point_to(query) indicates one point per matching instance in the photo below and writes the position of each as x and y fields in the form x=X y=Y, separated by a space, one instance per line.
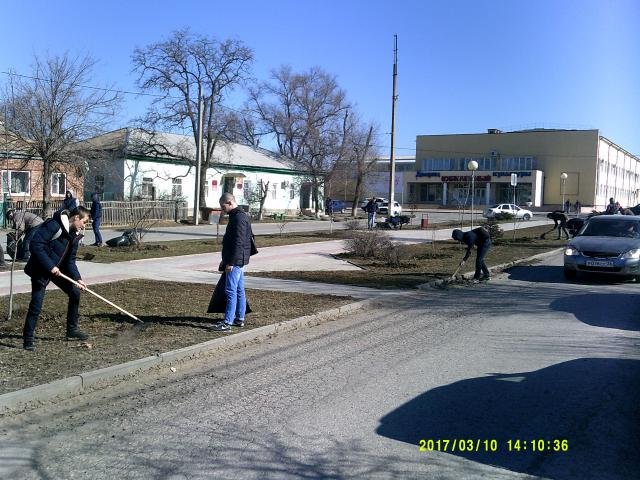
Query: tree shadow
x=592 y=403
x=609 y=310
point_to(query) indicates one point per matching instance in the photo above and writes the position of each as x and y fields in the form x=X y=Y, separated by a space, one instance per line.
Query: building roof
x=177 y=148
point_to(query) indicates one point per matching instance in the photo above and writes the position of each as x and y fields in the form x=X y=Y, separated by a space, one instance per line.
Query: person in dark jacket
x=560 y=220
x=236 y=250
x=53 y=251
x=25 y=224
x=482 y=240
x=96 y=219
x=70 y=202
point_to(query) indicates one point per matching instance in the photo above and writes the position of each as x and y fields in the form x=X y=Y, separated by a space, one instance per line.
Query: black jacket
x=478 y=237
x=53 y=245
x=236 y=243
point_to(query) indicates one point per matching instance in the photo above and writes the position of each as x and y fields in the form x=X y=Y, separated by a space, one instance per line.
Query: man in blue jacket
x=96 y=219
x=482 y=240
x=53 y=251
x=236 y=250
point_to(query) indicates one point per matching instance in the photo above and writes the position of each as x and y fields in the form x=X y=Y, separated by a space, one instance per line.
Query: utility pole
x=196 y=203
x=392 y=157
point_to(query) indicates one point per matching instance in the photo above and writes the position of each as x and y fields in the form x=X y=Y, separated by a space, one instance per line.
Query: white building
x=141 y=165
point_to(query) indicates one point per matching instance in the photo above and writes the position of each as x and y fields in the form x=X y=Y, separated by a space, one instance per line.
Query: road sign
x=514 y=179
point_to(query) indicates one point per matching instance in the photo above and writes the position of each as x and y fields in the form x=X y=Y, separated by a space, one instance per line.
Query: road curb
x=32 y=397
x=495 y=269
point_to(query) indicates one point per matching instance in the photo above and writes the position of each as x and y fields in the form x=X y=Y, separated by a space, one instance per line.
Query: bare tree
x=52 y=110
x=363 y=160
x=184 y=69
x=307 y=113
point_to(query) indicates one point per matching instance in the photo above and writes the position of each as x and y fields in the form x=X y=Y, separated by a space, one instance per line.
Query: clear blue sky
x=464 y=65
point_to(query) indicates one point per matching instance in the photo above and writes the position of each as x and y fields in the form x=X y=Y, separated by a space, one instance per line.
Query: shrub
x=353 y=224
x=393 y=254
x=495 y=231
x=367 y=243
x=504 y=216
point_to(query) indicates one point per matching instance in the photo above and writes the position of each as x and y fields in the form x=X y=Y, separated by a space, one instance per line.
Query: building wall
x=74 y=179
x=574 y=152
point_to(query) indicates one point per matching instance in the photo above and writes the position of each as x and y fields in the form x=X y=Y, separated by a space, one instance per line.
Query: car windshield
x=612 y=229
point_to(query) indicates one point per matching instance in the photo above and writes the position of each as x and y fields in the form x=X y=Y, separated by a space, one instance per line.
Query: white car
x=383 y=208
x=510 y=208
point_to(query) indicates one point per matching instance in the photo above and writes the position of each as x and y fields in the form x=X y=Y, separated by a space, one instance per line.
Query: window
x=147 y=187
x=58 y=183
x=247 y=190
x=176 y=188
x=99 y=184
x=16 y=182
x=274 y=191
x=292 y=192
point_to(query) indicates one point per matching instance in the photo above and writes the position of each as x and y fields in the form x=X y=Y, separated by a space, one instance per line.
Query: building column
x=487 y=193
x=444 y=193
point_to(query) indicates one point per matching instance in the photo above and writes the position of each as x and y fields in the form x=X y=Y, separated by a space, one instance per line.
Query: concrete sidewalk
x=202 y=268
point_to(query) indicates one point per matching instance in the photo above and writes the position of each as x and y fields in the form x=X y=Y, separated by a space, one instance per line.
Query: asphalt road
x=525 y=357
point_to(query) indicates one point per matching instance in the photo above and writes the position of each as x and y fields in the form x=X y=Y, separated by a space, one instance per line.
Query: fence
x=115 y=214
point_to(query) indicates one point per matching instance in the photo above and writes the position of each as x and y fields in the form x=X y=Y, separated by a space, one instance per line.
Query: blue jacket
x=53 y=245
x=96 y=207
x=236 y=243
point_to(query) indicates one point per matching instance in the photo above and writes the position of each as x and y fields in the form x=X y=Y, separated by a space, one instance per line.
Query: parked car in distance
x=509 y=208
x=607 y=244
x=338 y=206
x=378 y=201
x=383 y=209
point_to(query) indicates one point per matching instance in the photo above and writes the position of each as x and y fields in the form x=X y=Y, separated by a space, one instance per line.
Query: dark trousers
x=95 y=225
x=481 y=267
x=37 y=297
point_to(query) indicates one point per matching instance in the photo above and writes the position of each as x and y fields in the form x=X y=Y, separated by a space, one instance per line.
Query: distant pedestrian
x=328 y=206
x=25 y=224
x=567 y=206
x=560 y=219
x=578 y=207
x=236 y=250
x=96 y=219
x=611 y=207
x=371 y=208
x=480 y=238
x=54 y=247
x=70 y=202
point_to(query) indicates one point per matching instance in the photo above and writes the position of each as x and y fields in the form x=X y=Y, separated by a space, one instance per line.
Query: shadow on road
x=592 y=403
x=608 y=310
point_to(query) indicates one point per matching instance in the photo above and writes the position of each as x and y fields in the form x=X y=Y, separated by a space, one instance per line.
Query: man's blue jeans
x=236 y=298
x=371 y=220
x=95 y=225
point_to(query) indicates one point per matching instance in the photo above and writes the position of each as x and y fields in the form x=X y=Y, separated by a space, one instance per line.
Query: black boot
x=29 y=344
x=76 y=334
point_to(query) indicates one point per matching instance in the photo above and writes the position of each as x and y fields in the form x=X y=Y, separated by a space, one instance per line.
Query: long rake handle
x=100 y=297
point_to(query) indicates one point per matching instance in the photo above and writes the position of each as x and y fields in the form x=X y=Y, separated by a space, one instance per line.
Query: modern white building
x=137 y=165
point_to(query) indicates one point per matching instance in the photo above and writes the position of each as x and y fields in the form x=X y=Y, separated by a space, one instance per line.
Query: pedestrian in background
x=236 y=250
x=70 y=202
x=53 y=251
x=96 y=219
x=328 y=206
x=559 y=222
x=611 y=208
x=25 y=224
x=371 y=208
x=578 y=207
x=567 y=206
x=480 y=238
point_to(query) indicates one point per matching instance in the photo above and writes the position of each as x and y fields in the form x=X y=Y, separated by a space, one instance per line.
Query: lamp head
x=472 y=165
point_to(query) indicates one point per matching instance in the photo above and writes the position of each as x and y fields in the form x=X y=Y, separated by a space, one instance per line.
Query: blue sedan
x=608 y=244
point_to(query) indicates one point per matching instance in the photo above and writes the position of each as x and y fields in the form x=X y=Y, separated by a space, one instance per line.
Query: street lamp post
x=563 y=179
x=473 y=166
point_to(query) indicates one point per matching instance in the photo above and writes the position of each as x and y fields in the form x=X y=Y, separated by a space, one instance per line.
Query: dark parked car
x=338 y=206
x=608 y=244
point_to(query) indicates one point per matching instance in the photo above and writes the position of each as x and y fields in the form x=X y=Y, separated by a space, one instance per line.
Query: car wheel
x=570 y=274
x=526 y=216
x=637 y=278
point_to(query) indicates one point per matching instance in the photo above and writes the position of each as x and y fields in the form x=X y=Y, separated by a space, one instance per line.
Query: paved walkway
x=202 y=268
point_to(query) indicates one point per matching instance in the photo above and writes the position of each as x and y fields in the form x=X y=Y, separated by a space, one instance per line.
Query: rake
x=100 y=297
